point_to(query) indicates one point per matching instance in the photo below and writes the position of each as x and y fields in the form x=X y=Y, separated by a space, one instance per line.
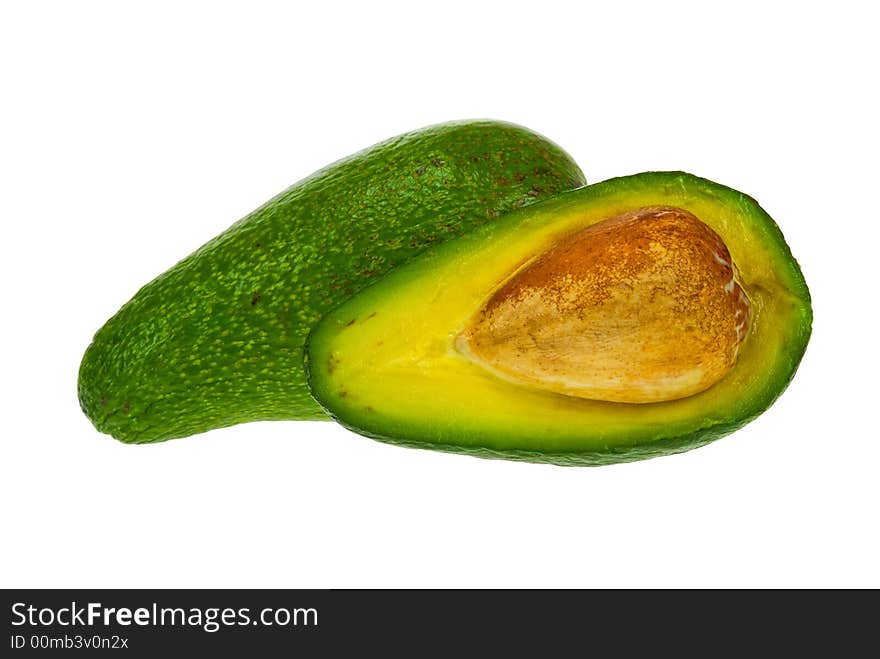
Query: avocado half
x=389 y=363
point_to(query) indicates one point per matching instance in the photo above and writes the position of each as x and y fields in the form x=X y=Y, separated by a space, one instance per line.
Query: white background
x=133 y=132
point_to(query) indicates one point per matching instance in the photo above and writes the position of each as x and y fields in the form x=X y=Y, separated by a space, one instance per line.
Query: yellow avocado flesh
x=386 y=363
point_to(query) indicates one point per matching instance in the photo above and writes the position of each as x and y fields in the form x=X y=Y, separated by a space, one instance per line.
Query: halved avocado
x=429 y=357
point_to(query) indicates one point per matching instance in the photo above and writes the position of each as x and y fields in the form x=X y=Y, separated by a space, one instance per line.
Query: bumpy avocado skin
x=347 y=407
x=218 y=339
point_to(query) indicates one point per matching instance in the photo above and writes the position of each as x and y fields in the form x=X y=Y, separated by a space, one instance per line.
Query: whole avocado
x=218 y=339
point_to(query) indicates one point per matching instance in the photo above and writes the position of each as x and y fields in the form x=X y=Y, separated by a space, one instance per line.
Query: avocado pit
x=643 y=307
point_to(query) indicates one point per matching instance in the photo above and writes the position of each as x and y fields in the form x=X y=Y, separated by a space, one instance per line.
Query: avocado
x=638 y=317
x=218 y=339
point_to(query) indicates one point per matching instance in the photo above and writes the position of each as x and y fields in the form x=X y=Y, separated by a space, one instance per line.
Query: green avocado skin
x=218 y=339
